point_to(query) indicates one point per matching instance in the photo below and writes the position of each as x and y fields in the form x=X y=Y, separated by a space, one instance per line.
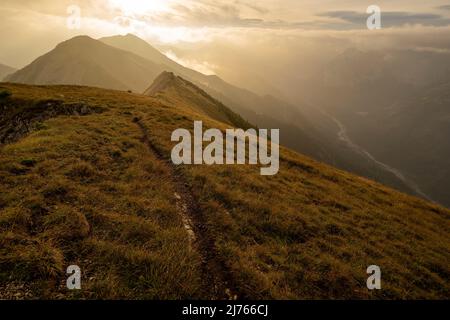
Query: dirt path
x=216 y=278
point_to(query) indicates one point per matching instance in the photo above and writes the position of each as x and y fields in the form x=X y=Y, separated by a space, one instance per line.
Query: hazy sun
x=130 y=21
x=140 y=6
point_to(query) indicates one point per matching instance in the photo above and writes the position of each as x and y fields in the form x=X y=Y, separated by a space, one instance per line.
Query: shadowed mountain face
x=5 y=71
x=86 y=181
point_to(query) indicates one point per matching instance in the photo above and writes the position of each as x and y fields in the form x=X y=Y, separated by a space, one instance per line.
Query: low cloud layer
x=444 y=7
x=357 y=20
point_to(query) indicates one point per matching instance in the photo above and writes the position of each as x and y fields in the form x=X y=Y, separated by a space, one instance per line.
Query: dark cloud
x=445 y=7
x=355 y=19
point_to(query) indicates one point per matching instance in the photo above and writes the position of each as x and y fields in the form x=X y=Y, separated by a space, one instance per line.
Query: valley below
x=343 y=136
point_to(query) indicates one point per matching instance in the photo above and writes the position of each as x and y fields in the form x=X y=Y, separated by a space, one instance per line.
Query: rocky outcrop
x=17 y=121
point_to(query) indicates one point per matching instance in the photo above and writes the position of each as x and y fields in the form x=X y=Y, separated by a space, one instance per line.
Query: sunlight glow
x=136 y=7
x=131 y=21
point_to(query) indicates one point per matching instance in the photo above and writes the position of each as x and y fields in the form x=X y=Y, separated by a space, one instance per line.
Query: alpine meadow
x=201 y=151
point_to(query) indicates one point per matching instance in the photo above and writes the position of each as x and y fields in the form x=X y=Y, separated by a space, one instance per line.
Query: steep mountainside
x=86 y=180
x=5 y=70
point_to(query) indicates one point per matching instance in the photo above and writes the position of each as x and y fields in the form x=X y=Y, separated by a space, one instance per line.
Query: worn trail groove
x=217 y=280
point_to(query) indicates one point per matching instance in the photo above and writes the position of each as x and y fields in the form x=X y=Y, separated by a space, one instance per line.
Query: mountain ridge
x=168 y=86
x=6 y=70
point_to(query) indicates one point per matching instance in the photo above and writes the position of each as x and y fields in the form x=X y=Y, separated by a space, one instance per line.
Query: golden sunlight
x=140 y=7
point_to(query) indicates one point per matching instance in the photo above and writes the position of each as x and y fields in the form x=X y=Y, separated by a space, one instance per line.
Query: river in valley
x=344 y=137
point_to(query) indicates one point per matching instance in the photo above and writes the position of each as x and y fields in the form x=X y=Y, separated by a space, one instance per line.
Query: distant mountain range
x=85 y=61
x=5 y=71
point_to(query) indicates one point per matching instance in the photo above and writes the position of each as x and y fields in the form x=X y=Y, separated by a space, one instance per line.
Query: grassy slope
x=86 y=190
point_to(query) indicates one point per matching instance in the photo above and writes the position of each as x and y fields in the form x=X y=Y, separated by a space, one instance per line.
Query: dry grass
x=85 y=190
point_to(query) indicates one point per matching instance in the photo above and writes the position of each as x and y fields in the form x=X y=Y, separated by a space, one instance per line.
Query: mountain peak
x=133 y=43
x=132 y=36
x=129 y=36
x=80 y=38
x=129 y=39
x=169 y=80
x=83 y=60
x=174 y=88
x=165 y=80
x=79 y=41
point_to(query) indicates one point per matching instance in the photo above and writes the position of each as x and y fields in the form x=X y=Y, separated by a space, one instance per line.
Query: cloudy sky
x=33 y=27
